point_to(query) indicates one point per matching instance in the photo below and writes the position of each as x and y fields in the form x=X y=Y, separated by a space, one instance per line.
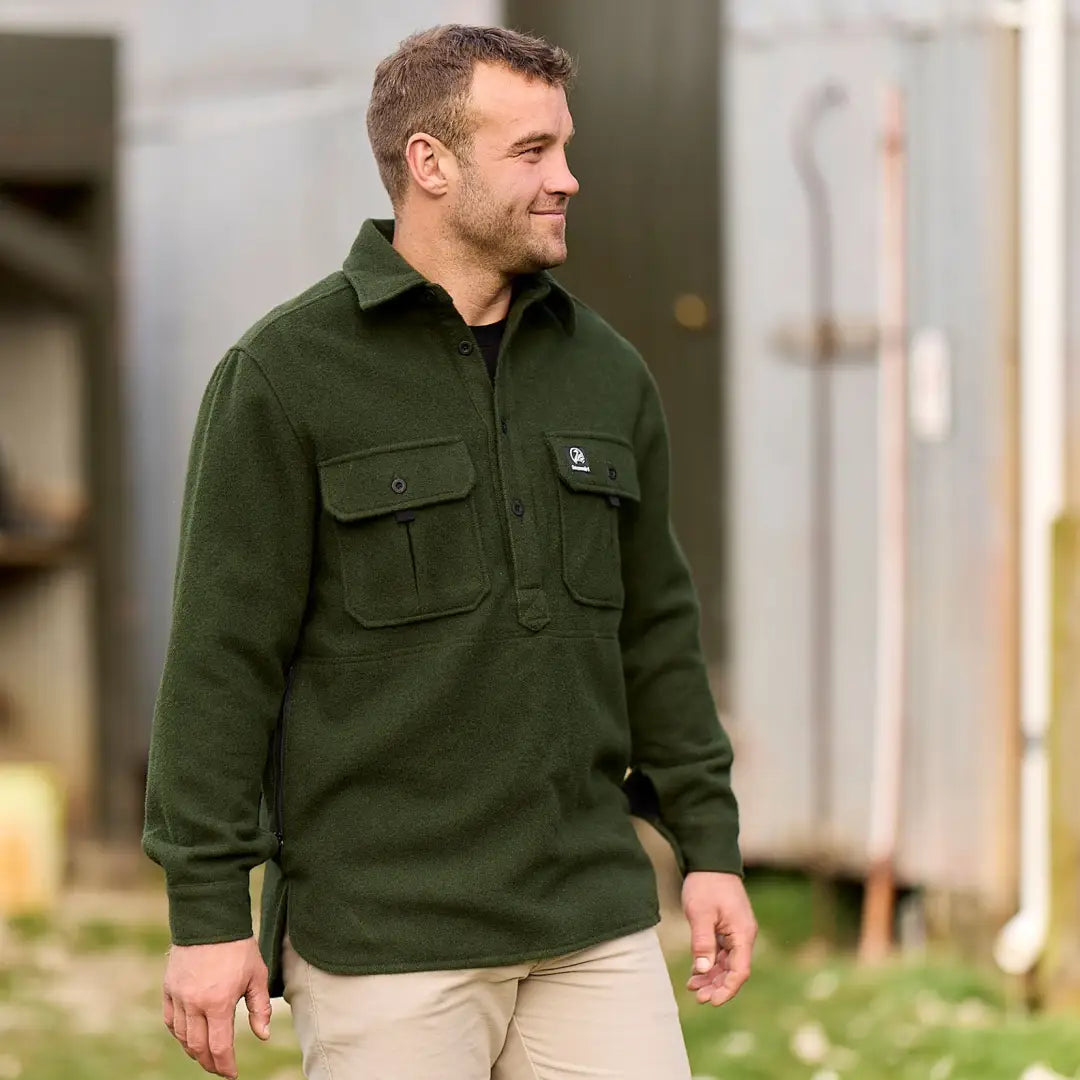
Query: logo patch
x=578 y=461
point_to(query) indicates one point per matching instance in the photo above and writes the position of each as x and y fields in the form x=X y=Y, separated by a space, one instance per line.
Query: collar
x=378 y=274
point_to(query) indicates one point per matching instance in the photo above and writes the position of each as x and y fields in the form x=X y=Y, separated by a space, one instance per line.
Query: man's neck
x=479 y=294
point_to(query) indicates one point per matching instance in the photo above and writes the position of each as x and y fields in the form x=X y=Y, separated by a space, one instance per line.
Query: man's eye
x=537 y=150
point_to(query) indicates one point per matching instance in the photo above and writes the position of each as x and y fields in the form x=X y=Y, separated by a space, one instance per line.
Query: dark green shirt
x=422 y=626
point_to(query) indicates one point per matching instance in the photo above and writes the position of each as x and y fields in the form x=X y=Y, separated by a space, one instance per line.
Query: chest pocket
x=597 y=475
x=407 y=531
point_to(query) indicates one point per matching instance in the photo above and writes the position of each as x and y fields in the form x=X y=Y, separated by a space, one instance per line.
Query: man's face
x=509 y=205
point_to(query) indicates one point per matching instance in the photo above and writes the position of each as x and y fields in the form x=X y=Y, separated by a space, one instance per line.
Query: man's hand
x=203 y=983
x=722 y=933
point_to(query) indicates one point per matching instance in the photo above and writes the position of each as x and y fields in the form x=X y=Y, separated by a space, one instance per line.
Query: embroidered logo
x=578 y=461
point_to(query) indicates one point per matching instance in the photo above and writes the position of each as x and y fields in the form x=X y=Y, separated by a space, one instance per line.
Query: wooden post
x=891 y=693
x=1059 y=973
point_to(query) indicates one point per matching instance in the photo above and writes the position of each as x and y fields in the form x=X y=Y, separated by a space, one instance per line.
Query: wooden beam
x=1059 y=973
x=38 y=249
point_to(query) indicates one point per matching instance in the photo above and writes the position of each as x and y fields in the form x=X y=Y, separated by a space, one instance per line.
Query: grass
x=803 y=1015
x=101 y=935
x=81 y=1002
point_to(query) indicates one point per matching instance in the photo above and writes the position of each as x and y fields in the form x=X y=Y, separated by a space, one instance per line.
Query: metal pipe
x=823 y=99
x=1042 y=358
x=891 y=689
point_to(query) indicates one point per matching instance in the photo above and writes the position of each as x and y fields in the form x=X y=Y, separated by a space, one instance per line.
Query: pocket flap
x=370 y=483
x=601 y=464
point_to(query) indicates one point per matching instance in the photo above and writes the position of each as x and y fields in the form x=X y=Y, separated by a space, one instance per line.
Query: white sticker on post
x=930 y=398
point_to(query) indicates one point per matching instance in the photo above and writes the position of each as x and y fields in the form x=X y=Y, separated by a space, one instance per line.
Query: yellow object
x=31 y=839
x=691 y=311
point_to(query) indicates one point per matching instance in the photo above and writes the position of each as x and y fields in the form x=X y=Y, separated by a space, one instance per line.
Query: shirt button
x=465 y=347
x=398 y=485
x=503 y=426
x=612 y=472
x=518 y=507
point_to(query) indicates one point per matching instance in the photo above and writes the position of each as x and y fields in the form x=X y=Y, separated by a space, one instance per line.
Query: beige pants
x=606 y=1011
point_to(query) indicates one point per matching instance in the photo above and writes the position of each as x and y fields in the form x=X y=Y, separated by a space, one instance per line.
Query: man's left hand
x=722 y=934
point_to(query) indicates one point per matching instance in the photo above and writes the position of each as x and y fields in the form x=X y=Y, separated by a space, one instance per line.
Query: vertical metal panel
x=644 y=229
x=1001 y=775
x=958 y=525
x=222 y=223
x=829 y=17
x=768 y=262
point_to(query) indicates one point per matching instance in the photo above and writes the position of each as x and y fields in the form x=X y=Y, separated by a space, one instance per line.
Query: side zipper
x=279 y=778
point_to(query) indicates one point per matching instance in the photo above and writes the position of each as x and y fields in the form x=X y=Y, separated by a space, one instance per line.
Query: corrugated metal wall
x=956 y=64
x=245 y=174
x=248 y=173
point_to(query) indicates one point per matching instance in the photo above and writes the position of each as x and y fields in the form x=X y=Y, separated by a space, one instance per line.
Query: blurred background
x=845 y=234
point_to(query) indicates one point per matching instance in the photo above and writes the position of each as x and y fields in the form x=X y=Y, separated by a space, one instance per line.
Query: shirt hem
x=489 y=960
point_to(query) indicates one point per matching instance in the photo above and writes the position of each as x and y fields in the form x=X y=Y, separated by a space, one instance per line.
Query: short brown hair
x=424 y=86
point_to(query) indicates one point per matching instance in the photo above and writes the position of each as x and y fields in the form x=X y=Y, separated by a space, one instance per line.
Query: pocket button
x=612 y=472
x=398 y=485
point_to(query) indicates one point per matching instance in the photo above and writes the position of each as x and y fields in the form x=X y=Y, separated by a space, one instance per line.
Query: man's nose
x=563 y=182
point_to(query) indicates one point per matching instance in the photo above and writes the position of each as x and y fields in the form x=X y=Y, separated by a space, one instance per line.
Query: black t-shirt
x=489 y=338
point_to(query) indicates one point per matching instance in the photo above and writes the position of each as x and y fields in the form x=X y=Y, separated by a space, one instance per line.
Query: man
x=428 y=611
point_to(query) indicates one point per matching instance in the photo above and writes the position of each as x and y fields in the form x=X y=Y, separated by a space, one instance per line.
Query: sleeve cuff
x=713 y=847
x=206 y=914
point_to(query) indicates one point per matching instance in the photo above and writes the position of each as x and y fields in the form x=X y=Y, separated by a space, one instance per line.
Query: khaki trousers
x=605 y=1011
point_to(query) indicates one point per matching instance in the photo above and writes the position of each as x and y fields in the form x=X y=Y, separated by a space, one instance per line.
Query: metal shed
x=957 y=64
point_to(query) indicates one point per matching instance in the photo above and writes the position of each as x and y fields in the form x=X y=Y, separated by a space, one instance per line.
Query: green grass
x=30 y=927
x=40 y=1040
x=106 y=1058
x=101 y=935
x=83 y=1003
x=901 y=1022
x=91 y=935
x=800 y=1016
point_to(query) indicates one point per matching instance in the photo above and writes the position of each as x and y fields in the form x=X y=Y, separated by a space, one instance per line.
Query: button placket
x=532 y=610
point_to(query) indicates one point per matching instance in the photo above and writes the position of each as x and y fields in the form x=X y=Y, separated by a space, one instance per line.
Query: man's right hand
x=203 y=983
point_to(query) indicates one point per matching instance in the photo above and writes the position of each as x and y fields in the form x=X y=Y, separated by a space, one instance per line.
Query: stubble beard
x=501 y=236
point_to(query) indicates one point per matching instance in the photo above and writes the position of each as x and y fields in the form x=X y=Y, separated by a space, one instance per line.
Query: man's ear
x=430 y=163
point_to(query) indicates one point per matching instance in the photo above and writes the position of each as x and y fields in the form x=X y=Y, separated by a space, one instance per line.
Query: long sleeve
x=240 y=592
x=678 y=744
